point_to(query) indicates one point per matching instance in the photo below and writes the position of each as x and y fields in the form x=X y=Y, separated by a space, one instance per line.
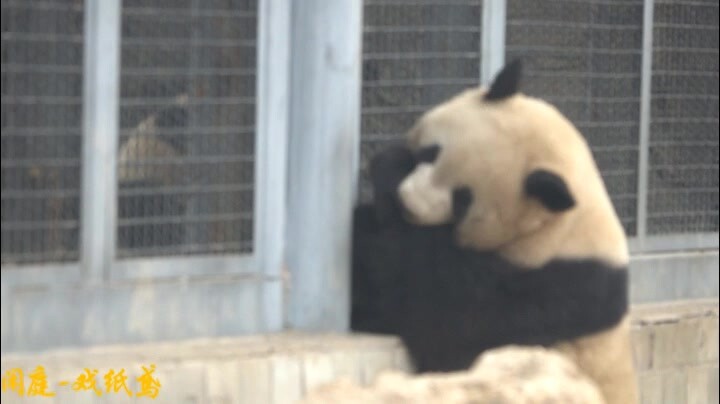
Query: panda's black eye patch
x=428 y=154
x=462 y=198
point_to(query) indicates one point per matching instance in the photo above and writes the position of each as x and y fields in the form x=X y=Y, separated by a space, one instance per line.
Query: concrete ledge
x=277 y=368
x=675 y=348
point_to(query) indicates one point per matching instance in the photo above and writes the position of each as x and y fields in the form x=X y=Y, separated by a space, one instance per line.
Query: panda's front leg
x=386 y=170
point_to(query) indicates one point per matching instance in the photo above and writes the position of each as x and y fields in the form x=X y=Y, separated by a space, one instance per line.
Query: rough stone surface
x=502 y=376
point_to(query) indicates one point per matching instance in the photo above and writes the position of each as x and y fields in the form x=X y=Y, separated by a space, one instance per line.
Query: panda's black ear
x=506 y=82
x=550 y=189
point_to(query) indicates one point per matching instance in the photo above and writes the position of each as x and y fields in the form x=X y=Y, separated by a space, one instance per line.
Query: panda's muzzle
x=427 y=203
x=403 y=184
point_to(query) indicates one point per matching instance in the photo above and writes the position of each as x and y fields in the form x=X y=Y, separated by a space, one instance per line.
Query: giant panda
x=143 y=185
x=492 y=226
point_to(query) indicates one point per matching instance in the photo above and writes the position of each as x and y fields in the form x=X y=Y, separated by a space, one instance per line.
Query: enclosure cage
x=156 y=141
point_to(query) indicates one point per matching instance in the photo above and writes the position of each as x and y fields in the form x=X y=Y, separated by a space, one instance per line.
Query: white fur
x=491 y=147
x=423 y=198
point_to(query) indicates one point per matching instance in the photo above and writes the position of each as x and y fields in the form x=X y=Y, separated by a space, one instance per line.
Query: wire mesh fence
x=415 y=54
x=187 y=133
x=585 y=57
x=42 y=57
x=187 y=110
x=683 y=172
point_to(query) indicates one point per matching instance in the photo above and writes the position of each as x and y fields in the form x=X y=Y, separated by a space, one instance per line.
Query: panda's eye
x=428 y=154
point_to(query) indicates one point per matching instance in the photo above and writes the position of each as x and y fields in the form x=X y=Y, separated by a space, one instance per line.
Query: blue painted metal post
x=492 y=52
x=271 y=153
x=100 y=137
x=324 y=145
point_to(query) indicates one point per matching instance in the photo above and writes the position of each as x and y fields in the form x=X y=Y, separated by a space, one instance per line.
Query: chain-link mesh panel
x=585 y=56
x=187 y=111
x=683 y=176
x=415 y=54
x=42 y=56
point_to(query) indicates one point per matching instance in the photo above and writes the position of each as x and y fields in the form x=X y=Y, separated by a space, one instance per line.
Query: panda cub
x=492 y=226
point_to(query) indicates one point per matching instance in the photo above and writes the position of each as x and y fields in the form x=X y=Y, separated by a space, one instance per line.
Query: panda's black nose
x=462 y=198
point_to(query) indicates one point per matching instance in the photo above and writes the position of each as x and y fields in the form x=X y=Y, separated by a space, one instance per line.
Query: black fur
x=506 y=82
x=461 y=200
x=387 y=170
x=450 y=304
x=550 y=189
x=428 y=154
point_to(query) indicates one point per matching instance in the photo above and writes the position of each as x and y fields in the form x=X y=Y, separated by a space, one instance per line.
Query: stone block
x=286 y=379
x=712 y=386
x=643 y=339
x=674 y=386
x=709 y=339
x=375 y=362
x=676 y=344
x=185 y=382
x=239 y=381
x=650 y=385
x=346 y=365
x=317 y=370
x=702 y=384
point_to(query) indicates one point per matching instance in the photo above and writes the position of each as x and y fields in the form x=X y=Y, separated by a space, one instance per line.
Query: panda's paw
x=425 y=201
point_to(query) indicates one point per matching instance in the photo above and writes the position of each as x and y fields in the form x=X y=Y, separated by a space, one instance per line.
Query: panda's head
x=517 y=176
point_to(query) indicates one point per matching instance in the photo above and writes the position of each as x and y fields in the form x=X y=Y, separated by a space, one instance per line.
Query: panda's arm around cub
x=523 y=248
x=411 y=279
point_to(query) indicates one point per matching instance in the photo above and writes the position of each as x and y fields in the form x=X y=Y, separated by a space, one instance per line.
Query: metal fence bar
x=645 y=116
x=183 y=266
x=192 y=233
x=675 y=243
x=271 y=154
x=100 y=136
x=492 y=54
x=324 y=149
x=41 y=275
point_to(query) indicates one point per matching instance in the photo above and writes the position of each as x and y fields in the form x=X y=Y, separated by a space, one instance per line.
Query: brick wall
x=676 y=351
